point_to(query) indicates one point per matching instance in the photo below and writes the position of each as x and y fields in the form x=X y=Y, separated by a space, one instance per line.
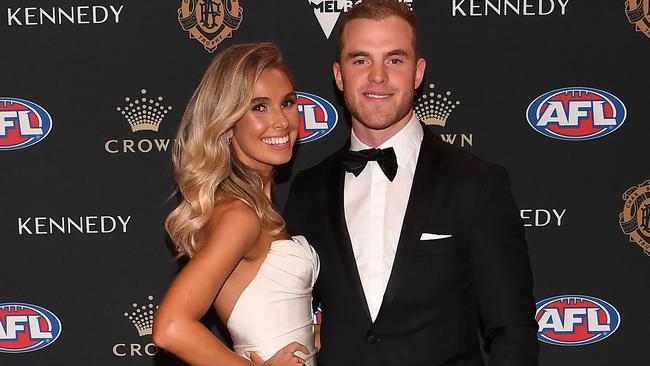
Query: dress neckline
x=293 y=238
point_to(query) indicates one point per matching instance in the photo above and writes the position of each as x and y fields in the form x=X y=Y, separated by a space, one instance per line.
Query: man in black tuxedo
x=421 y=245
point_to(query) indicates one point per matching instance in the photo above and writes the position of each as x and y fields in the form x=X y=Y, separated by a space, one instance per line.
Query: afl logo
x=575 y=320
x=26 y=328
x=576 y=114
x=318 y=117
x=22 y=123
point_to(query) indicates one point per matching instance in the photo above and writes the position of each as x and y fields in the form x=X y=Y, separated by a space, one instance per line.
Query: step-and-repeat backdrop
x=92 y=91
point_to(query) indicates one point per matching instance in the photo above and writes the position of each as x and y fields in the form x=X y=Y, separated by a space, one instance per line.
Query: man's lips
x=377 y=95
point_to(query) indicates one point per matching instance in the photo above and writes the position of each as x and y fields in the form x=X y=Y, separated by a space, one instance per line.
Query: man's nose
x=378 y=73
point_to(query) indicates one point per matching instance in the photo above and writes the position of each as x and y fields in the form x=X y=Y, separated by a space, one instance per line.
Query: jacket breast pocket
x=436 y=247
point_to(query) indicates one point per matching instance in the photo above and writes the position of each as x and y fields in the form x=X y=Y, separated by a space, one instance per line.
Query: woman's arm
x=231 y=233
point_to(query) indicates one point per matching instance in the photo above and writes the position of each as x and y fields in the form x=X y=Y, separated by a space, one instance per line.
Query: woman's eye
x=288 y=103
x=259 y=108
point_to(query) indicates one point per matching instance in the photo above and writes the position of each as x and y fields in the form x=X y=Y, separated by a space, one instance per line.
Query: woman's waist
x=266 y=342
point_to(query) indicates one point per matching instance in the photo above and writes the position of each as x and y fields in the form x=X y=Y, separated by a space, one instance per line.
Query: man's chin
x=377 y=121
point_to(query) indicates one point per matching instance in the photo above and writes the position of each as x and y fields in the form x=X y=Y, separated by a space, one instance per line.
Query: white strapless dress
x=275 y=308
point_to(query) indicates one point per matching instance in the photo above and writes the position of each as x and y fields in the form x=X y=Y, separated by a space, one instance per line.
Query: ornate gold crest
x=210 y=21
x=638 y=13
x=635 y=218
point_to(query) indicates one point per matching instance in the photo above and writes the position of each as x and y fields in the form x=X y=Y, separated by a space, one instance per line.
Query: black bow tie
x=355 y=161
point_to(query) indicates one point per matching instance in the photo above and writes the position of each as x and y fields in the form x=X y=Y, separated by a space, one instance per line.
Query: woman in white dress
x=241 y=122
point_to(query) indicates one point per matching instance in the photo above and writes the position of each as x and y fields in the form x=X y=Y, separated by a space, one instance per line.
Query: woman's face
x=264 y=137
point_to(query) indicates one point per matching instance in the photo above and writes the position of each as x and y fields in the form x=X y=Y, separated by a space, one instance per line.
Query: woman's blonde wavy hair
x=205 y=168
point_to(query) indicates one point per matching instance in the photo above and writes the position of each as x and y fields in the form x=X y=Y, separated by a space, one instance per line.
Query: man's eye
x=359 y=62
x=394 y=61
x=259 y=108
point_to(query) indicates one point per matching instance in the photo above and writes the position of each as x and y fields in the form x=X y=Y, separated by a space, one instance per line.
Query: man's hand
x=317 y=336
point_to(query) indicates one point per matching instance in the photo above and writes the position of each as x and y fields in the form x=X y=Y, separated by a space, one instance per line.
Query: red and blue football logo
x=22 y=123
x=26 y=327
x=575 y=320
x=318 y=117
x=576 y=114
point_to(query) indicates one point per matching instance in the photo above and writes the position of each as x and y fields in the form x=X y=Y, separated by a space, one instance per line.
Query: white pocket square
x=427 y=236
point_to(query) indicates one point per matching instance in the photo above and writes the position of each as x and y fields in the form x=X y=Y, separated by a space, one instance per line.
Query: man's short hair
x=378 y=10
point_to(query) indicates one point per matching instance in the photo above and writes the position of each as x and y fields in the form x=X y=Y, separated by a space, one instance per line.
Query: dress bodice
x=275 y=308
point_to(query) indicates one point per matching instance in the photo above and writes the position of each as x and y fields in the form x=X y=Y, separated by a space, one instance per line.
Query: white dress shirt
x=374 y=210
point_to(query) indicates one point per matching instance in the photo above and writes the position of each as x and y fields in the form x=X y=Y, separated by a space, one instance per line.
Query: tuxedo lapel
x=417 y=209
x=340 y=231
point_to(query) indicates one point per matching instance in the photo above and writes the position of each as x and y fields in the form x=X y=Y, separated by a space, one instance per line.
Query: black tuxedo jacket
x=441 y=293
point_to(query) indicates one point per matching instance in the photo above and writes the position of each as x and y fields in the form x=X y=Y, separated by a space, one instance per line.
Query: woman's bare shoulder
x=235 y=209
x=235 y=220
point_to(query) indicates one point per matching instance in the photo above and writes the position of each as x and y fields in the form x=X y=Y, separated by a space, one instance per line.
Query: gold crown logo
x=142 y=317
x=434 y=108
x=144 y=114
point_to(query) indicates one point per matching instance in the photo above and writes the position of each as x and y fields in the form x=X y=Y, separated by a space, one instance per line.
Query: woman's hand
x=283 y=357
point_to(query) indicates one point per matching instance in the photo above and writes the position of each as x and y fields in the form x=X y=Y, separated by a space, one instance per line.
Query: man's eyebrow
x=397 y=52
x=354 y=54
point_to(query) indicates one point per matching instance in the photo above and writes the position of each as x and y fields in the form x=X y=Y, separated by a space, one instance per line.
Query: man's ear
x=420 y=67
x=336 y=68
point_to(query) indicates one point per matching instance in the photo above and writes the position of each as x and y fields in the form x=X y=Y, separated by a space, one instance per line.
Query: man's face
x=378 y=71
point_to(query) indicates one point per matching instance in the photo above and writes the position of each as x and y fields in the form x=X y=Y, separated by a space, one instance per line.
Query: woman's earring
x=229 y=139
